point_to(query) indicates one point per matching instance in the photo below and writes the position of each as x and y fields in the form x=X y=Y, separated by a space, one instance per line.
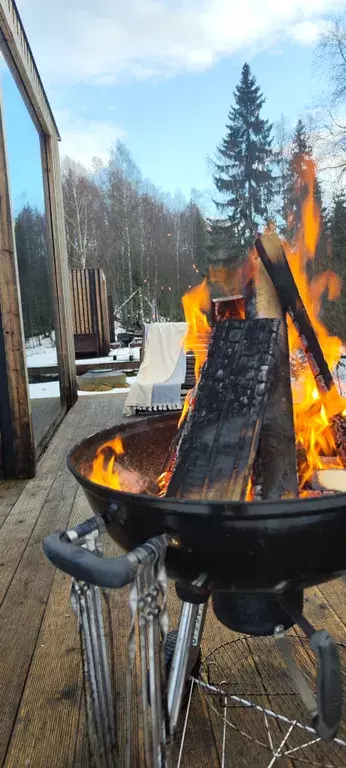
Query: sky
x=159 y=75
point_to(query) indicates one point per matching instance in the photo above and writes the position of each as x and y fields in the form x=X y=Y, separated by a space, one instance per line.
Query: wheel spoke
x=185 y=722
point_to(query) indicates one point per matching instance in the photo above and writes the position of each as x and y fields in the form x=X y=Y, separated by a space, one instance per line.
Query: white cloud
x=83 y=139
x=305 y=33
x=96 y=42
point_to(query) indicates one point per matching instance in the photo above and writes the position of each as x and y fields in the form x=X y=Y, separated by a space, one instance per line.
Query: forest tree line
x=162 y=244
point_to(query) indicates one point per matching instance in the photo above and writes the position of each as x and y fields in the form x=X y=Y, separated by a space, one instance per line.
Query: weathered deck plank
x=46 y=412
x=54 y=678
x=10 y=490
x=23 y=606
x=19 y=524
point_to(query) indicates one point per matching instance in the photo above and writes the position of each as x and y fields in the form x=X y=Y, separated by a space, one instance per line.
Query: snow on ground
x=52 y=389
x=44 y=356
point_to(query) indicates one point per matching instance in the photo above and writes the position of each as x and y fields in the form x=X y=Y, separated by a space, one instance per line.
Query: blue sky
x=160 y=75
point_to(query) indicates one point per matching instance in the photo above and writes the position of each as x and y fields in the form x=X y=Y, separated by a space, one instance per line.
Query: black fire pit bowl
x=256 y=547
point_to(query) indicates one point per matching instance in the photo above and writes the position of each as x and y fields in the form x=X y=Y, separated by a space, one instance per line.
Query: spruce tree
x=295 y=189
x=32 y=254
x=334 y=313
x=243 y=172
x=338 y=233
x=295 y=194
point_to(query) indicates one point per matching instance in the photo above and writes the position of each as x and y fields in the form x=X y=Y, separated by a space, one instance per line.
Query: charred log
x=228 y=308
x=276 y=468
x=220 y=438
x=274 y=260
x=339 y=434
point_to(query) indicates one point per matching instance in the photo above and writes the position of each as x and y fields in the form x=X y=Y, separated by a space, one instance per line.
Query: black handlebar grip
x=329 y=684
x=111 y=573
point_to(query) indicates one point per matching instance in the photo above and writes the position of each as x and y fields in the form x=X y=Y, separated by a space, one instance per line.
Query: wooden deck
x=46 y=414
x=41 y=710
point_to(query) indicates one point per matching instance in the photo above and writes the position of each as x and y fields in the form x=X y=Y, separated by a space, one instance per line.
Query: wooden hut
x=90 y=317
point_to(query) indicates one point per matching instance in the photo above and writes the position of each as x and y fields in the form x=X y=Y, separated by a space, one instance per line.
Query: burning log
x=276 y=466
x=273 y=258
x=227 y=307
x=220 y=438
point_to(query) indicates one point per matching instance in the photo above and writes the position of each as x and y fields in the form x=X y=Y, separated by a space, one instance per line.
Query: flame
x=196 y=304
x=110 y=473
x=163 y=482
x=107 y=472
x=313 y=411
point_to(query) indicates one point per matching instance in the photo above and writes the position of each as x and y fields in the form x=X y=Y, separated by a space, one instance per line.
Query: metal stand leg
x=148 y=601
x=187 y=647
x=161 y=702
x=86 y=603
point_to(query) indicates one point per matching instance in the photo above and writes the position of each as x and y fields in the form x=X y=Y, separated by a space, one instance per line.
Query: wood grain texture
x=89 y=299
x=220 y=436
x=18 y=453
x=19 y=524
x=24 y=606
x=18 y=55
x=46 y=415
x=57 y=253
x=276 y=469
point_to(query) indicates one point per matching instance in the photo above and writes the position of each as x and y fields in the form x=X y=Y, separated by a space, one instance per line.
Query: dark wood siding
x=90 y=305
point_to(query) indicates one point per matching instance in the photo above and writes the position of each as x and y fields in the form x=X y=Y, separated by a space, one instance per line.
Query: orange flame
x=107 y=472
x=196 y=304
x=163 y=482
x=312 y=411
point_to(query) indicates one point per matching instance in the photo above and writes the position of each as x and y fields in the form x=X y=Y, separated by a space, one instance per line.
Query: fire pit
x=252 y=547
x=251 y=558
x=217 y=504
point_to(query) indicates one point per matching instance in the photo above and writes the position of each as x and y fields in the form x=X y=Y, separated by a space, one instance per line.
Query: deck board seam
x=55 y=476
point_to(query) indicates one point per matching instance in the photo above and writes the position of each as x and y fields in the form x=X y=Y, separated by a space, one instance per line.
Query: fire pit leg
x=276 y=468
x=86 y=604
x=325 y=708
x=187 y=647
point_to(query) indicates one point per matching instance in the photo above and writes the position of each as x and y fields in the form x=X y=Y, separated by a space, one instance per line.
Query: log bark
x=275 y=473
x=274 y=260
x=220 y=437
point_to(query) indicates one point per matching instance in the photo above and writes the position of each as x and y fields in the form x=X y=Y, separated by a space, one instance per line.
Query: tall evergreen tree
x=338 y=233
x=294 y=196
x=31 y=243
x=200 y=239
x=223 y=247
x=243 y=173
x=295 y=190
x=334 y=313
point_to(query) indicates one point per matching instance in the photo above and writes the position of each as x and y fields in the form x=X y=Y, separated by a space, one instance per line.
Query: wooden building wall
x=17 y=440
x=90 y=305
